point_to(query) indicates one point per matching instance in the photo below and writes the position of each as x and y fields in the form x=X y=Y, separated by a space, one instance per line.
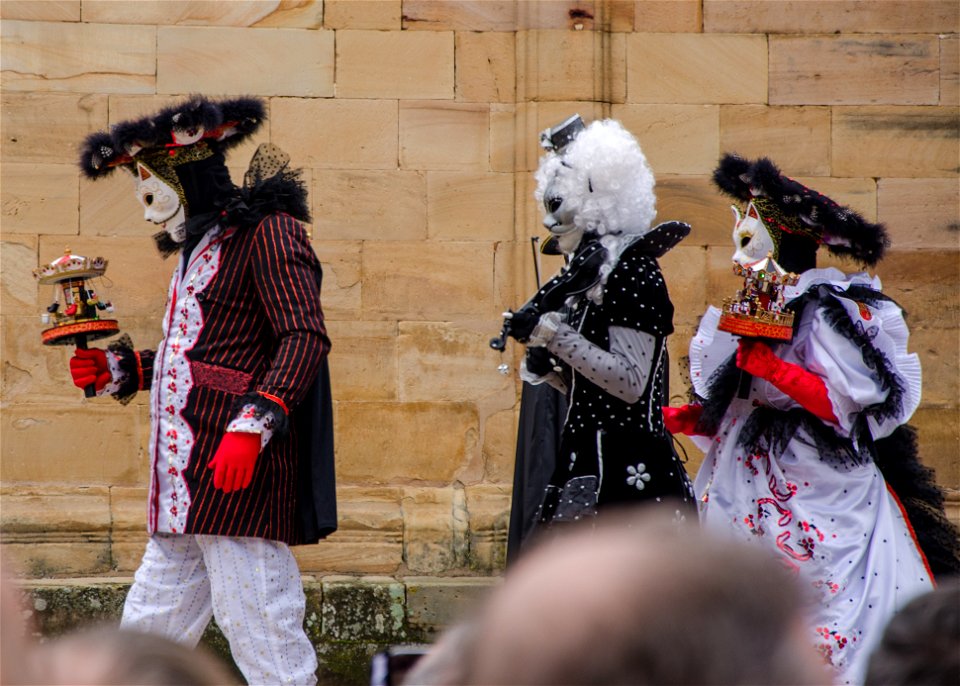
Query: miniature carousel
x=75 y=310
x=757 y=310
x=76 y=307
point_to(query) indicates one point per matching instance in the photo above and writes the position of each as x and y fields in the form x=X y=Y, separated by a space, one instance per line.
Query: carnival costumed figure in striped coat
x=241 y=444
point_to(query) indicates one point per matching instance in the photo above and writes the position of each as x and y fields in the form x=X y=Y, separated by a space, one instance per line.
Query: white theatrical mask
x=750 y=237
x=561 y=202
x=161 y=204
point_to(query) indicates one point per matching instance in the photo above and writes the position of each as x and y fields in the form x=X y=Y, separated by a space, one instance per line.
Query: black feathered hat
x=183 y=144
x=195 y=128
x=799 y=218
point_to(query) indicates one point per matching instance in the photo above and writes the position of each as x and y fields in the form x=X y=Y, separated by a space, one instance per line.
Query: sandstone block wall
x=416 y=122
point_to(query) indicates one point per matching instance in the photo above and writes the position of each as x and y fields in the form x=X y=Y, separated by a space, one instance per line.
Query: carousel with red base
x=77 y=306
x=757 y=310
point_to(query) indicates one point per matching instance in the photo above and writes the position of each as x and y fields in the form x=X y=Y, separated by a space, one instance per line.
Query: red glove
x=808 y=389
x=682 y=420
x=233 y=462
x=89 y=367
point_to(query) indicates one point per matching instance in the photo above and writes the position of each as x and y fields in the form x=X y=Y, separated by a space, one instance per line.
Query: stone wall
x=417 y=122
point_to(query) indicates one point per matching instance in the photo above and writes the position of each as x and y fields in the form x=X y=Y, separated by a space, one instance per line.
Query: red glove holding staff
x=89 y=366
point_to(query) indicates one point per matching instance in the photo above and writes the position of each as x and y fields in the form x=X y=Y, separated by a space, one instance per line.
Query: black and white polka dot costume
x=614 y=448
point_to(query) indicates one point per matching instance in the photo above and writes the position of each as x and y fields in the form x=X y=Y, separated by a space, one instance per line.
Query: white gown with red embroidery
x=836 y=524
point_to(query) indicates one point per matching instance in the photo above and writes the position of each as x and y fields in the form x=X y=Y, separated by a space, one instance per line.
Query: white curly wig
x=603 y=179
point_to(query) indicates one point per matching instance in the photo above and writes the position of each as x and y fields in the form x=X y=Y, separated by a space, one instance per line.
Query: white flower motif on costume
x=638 y=476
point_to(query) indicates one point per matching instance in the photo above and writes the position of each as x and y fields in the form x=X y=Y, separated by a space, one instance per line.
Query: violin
x=580 y=275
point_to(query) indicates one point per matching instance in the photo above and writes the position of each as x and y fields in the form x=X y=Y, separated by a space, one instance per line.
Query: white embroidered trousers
x=251 y=586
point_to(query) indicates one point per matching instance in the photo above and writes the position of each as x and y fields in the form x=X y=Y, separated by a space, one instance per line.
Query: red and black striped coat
x=243 y=320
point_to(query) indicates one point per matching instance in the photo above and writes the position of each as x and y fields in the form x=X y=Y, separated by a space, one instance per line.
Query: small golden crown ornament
x=757 y=310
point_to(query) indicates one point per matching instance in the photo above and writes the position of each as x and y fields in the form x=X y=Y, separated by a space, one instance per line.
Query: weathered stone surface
x=499 y=446
x=503 y=137
x=683 y=269
x=40 y=10
x=435 y=603
x=250 y=61
x=950 y=70
x=395 y=64
x=465 y=206
x=796 y=138
x=464 y=15
x=128 y=514
x=900 y=142
x=48 y=127
x=676 y=139
x=434 y=357
x=560 y=65
x=435 y=529
x=486 y=67
x=367 y=608
x=373 y=205
x=56 y=531
x=78 y=57
x=294 y=14
x=239 y=13
x=696 y=201
x=372 y=14
x=363 y=362
x=383 y=443
x=427 y=281
x=668 y=16
x=355 y=134
x=925 y=284
x=848 y=70
x=696 y=68
x=939 y=351
x=76 y=510
x=427 y=128
x=488 y=507
x=56 y=607
x=341 y=262
x=101 y=448
x=20 y=294
x=369 y=537
x=829 y=16
x=920 y=213
x=108 y=207
x=939 y=437
x=39 y=198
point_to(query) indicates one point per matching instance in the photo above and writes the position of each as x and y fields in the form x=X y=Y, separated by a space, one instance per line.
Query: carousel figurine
x=76 y=307
x=757 y=310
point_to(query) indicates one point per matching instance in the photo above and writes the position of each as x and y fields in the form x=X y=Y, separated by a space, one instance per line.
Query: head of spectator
x=444 y=664
x=16 y=641
x=639 y=599
x=921 y=644
x=110 y=656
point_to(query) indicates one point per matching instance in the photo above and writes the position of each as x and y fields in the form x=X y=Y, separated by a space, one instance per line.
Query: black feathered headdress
x=175 y=131
x=790 y=207
x=184 y=145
